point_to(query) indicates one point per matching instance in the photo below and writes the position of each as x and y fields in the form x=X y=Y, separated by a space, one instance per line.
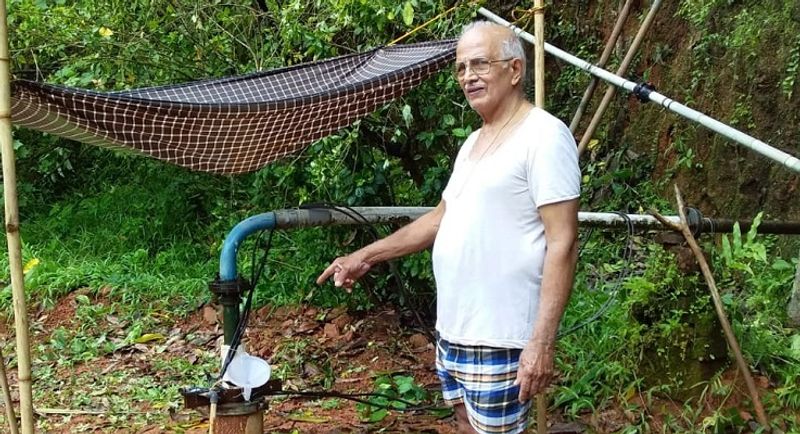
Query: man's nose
x=469 y=73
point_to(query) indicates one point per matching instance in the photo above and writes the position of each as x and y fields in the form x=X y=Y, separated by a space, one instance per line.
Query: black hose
x=626 y=257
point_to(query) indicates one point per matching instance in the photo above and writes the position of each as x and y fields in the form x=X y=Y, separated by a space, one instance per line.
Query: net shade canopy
x=236 y=124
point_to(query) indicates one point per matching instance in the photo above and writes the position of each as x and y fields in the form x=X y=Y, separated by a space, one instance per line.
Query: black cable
x=411 y=406
x=351 y=213
x=626 y=256
x=244 y=315
x=359 y=218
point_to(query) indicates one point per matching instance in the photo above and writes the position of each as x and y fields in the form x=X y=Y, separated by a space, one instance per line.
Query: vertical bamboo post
x=538 y=64
x=12 y=418
x=12 y=231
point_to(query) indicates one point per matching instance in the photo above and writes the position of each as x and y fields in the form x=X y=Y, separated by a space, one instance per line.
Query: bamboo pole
x=623 y=68
x=683 y=227
x=12 y=232
x=538 y=65
x=12 y=418
x=612 y=40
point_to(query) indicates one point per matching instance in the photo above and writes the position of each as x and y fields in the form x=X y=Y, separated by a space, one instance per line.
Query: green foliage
x=388 y=387
x=660 y=315
x=757 y=287
x=738 y=34
x=792 y=70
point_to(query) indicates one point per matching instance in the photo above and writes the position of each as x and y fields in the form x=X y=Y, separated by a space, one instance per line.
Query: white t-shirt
x=489 y=251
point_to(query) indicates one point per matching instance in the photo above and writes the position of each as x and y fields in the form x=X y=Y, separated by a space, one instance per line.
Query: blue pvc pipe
x=230 y=247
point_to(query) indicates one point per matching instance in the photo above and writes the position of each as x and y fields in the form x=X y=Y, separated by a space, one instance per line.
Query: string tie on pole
x=519 y=14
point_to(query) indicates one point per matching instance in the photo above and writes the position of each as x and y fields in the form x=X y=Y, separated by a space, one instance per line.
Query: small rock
x=418 y=342
x=566 y=428
x=209 y=315
x=342 y=321
x=310 y=370
x=336 y=312
x=331 y=330
x=306 y=327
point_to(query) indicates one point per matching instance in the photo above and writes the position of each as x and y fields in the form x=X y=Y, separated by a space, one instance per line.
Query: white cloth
x=489 y=250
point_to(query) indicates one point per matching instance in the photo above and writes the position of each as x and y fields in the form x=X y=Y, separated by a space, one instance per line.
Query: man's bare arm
x=561 y=232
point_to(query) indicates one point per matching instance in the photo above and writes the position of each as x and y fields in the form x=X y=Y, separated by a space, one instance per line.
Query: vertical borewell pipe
x=228 y=282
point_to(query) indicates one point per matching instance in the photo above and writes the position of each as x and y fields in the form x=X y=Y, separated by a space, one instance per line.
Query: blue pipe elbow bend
x=230 y=247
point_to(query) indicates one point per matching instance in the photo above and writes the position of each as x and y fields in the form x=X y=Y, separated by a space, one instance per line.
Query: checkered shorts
x=482 y=378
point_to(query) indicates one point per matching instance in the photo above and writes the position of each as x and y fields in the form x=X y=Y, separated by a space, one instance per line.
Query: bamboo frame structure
x=623 y=68
x=746 y=140
x=612 y=41
x=12 y=232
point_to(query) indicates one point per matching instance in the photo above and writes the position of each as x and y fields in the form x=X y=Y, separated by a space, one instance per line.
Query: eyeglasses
x=478 y=65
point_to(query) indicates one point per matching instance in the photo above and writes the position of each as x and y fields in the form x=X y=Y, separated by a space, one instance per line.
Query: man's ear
x=516 y=71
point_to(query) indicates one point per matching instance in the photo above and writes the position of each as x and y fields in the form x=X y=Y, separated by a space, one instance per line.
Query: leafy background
x=148 y=234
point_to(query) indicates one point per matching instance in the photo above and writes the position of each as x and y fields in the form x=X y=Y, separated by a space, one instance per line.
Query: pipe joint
x=694 y=218
x=229 y=292
x=643 y=91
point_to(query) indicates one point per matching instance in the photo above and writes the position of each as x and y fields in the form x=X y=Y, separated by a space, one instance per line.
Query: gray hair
x=510 y=46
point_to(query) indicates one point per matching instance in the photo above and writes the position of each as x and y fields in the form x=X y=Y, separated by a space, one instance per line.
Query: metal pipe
x=623 y=68
x=301 y=218
x=612 y=40
x=748 y=141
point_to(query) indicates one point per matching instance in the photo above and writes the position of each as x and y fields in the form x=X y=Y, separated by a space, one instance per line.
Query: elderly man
x=504 y=242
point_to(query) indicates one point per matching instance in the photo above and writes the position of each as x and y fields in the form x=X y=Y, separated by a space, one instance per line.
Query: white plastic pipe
x=748 y=141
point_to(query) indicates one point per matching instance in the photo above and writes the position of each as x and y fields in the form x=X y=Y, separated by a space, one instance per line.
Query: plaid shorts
x=482 y=378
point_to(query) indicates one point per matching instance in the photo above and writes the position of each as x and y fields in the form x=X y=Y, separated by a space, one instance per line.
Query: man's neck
x=503 y=113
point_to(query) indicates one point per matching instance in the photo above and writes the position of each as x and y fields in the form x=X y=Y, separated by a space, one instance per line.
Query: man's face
x=485 y=91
